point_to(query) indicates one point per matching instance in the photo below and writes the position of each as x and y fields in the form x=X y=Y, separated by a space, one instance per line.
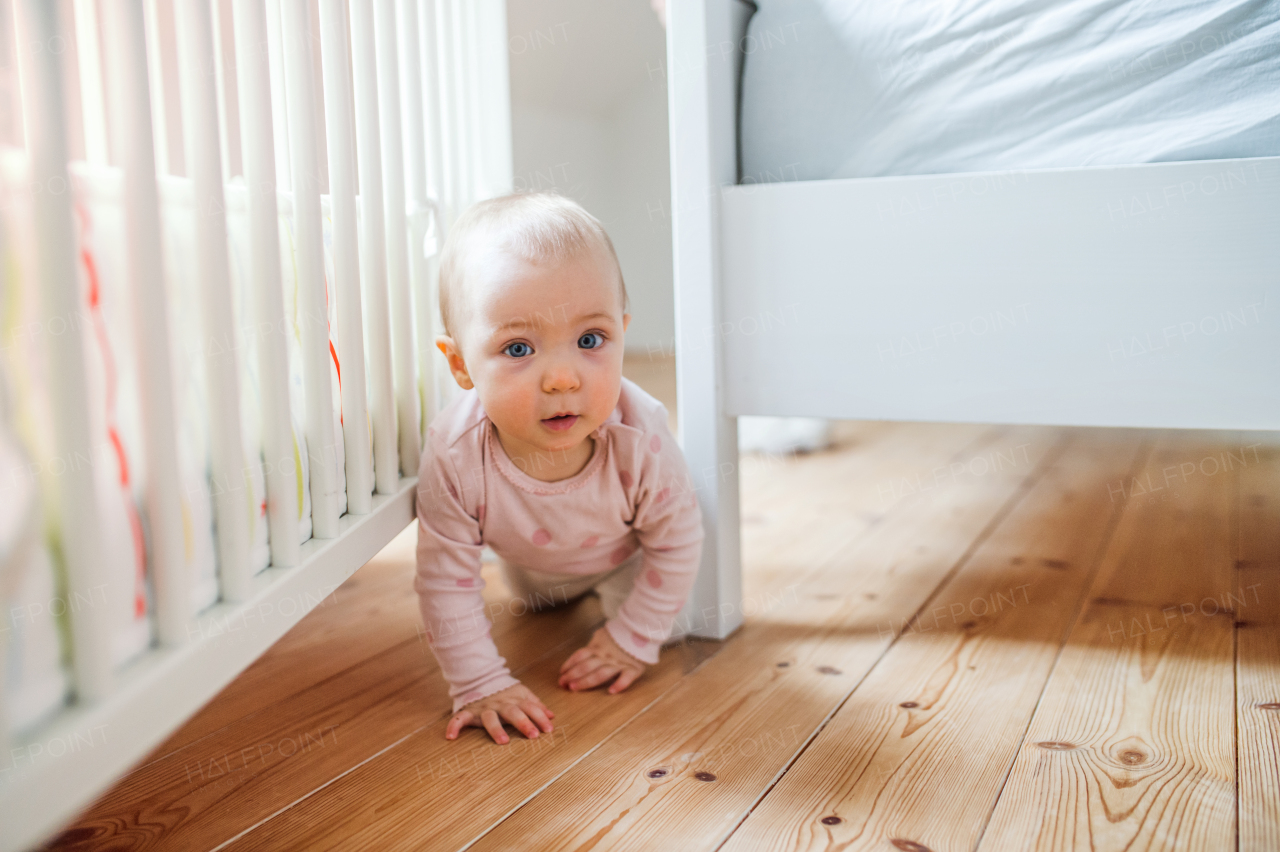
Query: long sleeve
x=668 y=524
x=448 y=580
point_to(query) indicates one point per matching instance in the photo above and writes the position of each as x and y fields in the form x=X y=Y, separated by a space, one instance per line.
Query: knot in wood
x=831 y=820
x=909 y=705
x=1270 y=705
x=829 y=670
x=705 y=776
x=1056 y=746
x=656 y=773
x=783 y=664
x=1132 y=757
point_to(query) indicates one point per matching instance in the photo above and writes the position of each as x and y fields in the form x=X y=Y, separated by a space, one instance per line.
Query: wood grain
x=945 y=709
x=432 y=793
x=399 y=783
x=220 y=784
x=725 y=732
x=378 y=599
x=1132 y=746
x=1258 y=645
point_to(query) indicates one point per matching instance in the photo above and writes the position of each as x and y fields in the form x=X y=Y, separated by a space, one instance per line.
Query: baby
x=567 y=470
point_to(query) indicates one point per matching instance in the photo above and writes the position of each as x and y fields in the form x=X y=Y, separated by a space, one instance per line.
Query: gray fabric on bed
x=859 y=88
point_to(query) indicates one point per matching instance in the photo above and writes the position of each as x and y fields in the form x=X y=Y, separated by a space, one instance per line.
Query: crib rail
x=218 y=232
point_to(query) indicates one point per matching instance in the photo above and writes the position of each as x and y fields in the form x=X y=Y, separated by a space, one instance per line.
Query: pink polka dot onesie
x=634 y=494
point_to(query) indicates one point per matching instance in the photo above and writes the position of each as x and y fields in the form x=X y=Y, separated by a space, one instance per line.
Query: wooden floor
x=956 y=637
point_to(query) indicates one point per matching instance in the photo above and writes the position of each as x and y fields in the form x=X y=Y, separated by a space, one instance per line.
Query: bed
x=1045 y=213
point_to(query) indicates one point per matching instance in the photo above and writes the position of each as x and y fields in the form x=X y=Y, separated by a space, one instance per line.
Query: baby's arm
x=668 y=524
x=450 y=587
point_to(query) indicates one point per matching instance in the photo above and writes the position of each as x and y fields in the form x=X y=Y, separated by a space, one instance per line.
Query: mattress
x=860 y=88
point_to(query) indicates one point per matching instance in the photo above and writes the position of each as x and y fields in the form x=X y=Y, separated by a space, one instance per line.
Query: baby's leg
x=541 y=590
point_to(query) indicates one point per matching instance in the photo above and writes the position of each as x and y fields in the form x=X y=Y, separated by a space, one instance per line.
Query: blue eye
x=517 y=343
x=591 y=334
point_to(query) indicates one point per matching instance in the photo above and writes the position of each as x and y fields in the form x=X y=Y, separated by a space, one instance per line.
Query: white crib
x=813 y=293
x=213 y=386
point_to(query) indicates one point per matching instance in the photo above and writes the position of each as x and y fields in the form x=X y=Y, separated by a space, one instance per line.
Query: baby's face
x=541 y=340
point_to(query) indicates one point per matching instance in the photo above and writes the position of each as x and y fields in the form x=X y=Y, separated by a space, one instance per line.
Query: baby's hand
x=598 y=662
x=516 y=704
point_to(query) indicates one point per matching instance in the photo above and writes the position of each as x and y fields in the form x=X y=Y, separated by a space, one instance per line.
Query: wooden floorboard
x=1258 y=644
x=1094 y=716
x=199 y=796
x=374 y=597
x=457 y=779
x=945 y=709
x=684 y=773
x=1132 y=745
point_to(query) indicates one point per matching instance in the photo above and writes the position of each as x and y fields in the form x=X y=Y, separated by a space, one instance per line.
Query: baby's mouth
x=561 y=423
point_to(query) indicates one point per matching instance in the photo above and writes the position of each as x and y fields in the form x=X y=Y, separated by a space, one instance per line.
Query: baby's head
x=534 y=311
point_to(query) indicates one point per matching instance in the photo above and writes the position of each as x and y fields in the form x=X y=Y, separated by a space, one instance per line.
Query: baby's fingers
x=578 y=669
x=624 y=680
x=516 y=716
x=575 y=658
x=457 y=723
x=493 y=725
x=574 y=676
x=536 y=712
x=597 y=677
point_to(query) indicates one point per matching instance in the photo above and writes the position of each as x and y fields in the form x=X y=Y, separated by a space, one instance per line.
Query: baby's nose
x=560 y=378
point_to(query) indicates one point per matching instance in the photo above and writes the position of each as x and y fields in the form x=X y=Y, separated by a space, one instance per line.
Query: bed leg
x=701 y=104
x=710 y=443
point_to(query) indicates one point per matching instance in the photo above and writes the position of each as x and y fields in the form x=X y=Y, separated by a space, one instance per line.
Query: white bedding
x=851 y=88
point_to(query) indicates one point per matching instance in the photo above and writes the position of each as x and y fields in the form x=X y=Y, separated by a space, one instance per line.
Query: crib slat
x=91 y=98
x=264 y=269
x=448 y=109
x=55 y=258
x=471 y=80
x=373 y=258
x=456 y=81
x=429 y=55
x=321 y=441
x=417 y=166
x=340 y=129
x=215 y=19
x=299 y=91
x=494 y=93
x=127 y=59
x=397 y=232
x=155 y=70
x=429 y=324
x=412 y=104
x=212 y=269
x=279 y=114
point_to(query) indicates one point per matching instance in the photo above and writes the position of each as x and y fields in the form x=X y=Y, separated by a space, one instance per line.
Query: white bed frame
x=432 y=134
x=1141 y=295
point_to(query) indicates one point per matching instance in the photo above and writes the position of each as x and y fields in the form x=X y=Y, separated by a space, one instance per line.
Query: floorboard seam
x=1003 y=512
x=262 y=822
x=595 y=625
x=1139 y=461
x=473 y=841
x=1237 y=525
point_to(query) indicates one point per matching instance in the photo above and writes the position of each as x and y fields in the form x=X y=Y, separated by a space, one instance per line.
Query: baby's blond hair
x=536 y=226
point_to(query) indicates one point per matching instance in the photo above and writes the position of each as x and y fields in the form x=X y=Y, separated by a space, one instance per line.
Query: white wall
x=589 y=120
